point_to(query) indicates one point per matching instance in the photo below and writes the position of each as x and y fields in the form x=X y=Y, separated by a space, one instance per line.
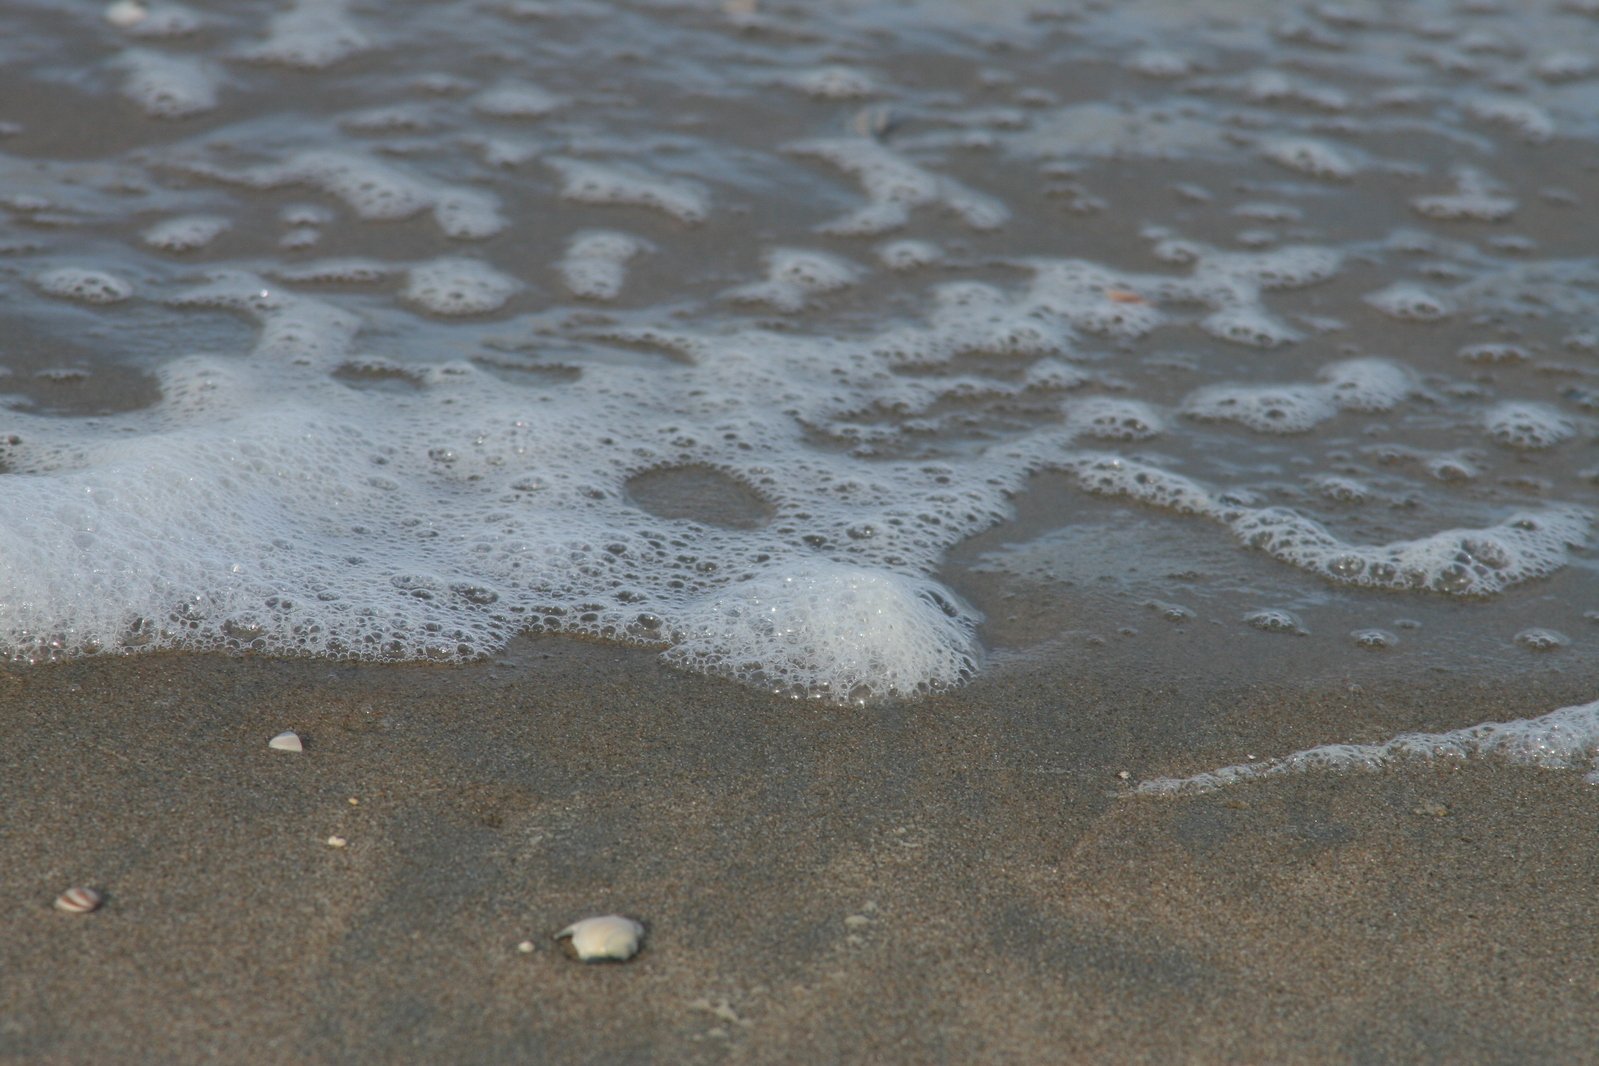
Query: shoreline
x=948 y=880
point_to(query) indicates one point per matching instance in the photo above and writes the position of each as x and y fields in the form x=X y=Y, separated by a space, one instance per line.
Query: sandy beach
x=954 y=880
x=1166 y=386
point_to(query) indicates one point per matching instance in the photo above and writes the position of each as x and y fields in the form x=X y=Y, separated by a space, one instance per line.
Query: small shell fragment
x=79 y=900
x=337 y=842
x=610 y=937
x=288 y=740
x=525 y=947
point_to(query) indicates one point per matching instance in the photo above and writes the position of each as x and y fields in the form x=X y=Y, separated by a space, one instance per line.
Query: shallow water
x=845 y=349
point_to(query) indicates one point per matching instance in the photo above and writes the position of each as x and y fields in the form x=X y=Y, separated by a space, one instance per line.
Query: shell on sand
x=288 y=740
x=78 y=900
x=610 y=937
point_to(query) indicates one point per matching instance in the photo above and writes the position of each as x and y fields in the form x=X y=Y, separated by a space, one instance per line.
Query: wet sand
x=961 y=879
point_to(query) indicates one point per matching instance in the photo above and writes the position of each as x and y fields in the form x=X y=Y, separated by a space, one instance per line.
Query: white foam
x=337 y=271
x=1410 y=302
x=312 y=35
x=1275 y=87
x=1532 y=122
x=1537 y=638
x=1263 y=408
x=154 y=21
x=895 y=187
x=833 y=83
x=1567 y=739
x=1160 y=63
x=1307 y=156
x=455 y=287
x=1528 y=426
x=1112 y=418
x=794 y=275
x=516 y=100
x=595 y=264
x=1475 y=199
x=168 y=86
x=374 y=190
x=84 y=286
x=328 y=519
x=1566 y=66
x=1459 y=562
x=186 y=233
x=878 y=633
x=908 y=254
x=1276 y=620
x=587 y=182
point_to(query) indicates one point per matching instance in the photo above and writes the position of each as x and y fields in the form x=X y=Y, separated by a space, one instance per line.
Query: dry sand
x=954 y=880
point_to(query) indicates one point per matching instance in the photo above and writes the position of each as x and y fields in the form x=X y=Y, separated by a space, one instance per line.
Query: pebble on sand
x=611 y=937
x=288 y=740
x=79 y=900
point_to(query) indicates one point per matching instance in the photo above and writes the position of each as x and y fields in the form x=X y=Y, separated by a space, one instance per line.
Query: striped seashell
x=79 y=900
x=611 y=937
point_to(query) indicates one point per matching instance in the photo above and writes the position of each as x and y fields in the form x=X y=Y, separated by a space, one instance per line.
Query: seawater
x=844 y=349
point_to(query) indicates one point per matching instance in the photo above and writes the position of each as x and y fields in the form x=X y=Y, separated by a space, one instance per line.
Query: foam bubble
x=834 y=83
x=1264 y=409
x=311 y=35
x=1475 y=562
x=1566 y=66
x=594 y=183
x=1567 y=739
x=1111 y=418
x=1410 y=302
x=1373 y=639
x=595 y=265
x=294 y=330
x=167 y=86
x=908 y=255
x=1494 y=352
x=374 y=190
x=1160 y=63
x=1306 y=156
x=894 y=187
x=455 y=286
x=1538 y=638
x=1276 y=620
x=1475 y=199
x=159 y=20
x=1355 y=385
x=1532 y=122
x=794 y=275
x=337 y=272
x=84 y=286
x=878 y=633
x=1529 y=426
x=1275 y=87
x=185 y=234
x=1365 y=384
x=516 y=100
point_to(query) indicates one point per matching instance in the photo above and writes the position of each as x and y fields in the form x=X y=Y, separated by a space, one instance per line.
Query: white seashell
x=610 y=937
x=337 y=842
x=78 y=900
x=288 y=740
x=525 y=947
x=125 y=13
